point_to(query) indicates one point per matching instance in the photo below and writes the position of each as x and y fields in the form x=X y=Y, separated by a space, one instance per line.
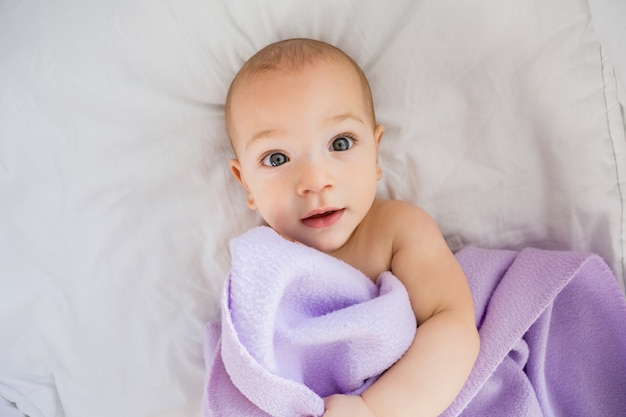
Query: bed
x=504 y=120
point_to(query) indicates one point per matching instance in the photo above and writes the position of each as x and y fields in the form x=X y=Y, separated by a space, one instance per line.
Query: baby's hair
x=295 y=54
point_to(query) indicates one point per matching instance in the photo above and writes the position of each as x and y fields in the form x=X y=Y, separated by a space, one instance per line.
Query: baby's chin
x=328 y=246
x=306 y=242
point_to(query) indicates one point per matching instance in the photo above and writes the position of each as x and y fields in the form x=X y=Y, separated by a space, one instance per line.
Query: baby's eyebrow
x=344 y=116
x=263 y=134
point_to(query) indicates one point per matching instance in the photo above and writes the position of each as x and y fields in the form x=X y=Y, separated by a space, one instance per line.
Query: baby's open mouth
x=323 y=219
x=326 y=213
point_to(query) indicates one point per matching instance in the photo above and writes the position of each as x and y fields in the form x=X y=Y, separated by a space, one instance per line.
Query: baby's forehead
x=247 y=75
x=256 y=80
x=256 y=86
x=276 y=60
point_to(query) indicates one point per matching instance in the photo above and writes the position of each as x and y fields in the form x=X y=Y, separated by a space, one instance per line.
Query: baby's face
x=307 y=151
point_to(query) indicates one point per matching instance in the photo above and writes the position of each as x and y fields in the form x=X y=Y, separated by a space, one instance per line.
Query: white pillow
x=116 y=204
x=609 y=19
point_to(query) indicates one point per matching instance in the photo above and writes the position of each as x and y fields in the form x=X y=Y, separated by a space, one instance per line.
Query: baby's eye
x=274 y=159
x=342 y=143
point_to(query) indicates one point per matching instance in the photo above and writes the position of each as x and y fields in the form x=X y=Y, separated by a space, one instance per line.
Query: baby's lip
x=321 y=212
x=321 y=218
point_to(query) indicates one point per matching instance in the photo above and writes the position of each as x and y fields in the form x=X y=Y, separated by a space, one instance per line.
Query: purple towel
x=553 y=336
x=298 y=325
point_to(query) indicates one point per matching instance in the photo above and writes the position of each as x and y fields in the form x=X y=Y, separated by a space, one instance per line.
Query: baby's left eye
x=342 y=143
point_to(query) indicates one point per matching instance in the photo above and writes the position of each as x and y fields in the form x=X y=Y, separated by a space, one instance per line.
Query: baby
x=301 y=120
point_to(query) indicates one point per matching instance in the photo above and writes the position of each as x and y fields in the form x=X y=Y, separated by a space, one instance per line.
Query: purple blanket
x=298 y=325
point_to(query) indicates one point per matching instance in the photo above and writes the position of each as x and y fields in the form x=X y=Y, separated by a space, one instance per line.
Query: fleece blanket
x=298 y=325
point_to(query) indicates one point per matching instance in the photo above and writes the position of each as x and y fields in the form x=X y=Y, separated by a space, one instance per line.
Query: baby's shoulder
x=389 y=226
x=390 y=211
x=402 y=217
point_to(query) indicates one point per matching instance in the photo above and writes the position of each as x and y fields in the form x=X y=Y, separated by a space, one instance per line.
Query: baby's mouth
x=326 y=213
x=322 y=218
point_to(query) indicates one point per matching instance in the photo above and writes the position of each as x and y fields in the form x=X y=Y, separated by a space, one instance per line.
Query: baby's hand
x=346 y=406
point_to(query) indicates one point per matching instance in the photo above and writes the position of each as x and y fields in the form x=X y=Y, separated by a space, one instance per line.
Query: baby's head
x=294 y=55
x=301 y=121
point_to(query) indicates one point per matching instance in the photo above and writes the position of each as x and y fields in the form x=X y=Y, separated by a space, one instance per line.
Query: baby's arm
x=425 y=381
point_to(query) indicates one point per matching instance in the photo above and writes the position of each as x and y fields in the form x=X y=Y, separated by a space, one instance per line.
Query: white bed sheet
x=8 y=409
x=116 y=205
x=609 y=20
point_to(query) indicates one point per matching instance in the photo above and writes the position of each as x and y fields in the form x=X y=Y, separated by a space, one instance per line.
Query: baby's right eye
x=274 y=159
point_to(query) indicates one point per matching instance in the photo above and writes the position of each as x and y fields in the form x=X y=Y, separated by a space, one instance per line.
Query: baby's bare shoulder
x=400 y=212
x=404 y=222
x=390 y=226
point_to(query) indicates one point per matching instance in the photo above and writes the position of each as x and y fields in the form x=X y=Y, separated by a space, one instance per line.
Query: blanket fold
x=298 y=325
x=552 y=326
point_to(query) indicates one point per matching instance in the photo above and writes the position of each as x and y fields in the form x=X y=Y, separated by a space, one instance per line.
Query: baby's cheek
x=276 y=214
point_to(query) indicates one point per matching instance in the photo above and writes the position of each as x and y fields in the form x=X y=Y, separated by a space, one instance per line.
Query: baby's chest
x=372 y=260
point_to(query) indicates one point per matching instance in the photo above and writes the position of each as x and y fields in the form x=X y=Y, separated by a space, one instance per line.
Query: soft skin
x=316 y=179
x=307 y=156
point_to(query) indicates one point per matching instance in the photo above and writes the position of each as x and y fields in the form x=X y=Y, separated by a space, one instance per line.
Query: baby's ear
x=235 y=168
x=379 y=130
x=378 y=135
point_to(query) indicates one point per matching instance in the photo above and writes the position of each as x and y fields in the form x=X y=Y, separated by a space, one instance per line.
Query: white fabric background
x=116 y=204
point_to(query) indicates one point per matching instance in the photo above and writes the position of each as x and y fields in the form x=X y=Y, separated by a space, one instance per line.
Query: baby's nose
x=313 y=178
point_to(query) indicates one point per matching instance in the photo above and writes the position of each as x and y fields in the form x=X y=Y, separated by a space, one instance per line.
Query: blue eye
x=342 y=143
x=275 y=159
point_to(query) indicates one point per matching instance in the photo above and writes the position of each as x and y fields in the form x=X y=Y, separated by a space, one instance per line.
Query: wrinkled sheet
x=501 y=120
